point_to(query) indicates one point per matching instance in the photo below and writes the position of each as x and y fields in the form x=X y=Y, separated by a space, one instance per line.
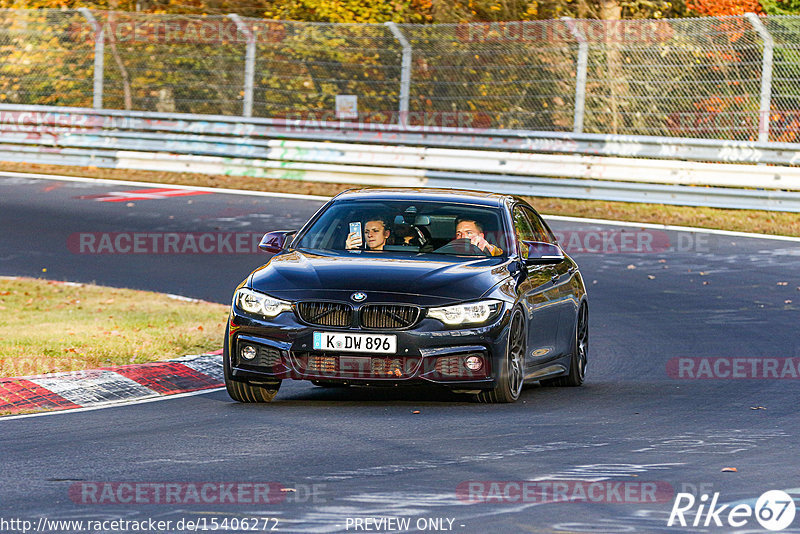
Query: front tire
x=512 y=372
x=577 y=362
x=245 y=391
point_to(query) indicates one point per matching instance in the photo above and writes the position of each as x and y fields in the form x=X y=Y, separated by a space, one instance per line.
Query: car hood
x=425 y=280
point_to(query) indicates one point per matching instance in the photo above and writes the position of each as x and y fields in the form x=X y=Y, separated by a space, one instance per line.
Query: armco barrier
x=635 y=169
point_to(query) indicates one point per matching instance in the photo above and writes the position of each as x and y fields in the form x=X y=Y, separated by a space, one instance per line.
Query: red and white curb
x=109 y=385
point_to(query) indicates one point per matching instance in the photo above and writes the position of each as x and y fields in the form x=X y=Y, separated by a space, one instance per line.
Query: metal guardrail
x=522 y=162
x=60 y=119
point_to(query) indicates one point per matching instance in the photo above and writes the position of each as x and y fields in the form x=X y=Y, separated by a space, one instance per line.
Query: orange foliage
x=722 y=8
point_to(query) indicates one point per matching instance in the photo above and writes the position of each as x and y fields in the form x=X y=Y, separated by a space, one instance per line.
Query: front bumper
x=427 y=353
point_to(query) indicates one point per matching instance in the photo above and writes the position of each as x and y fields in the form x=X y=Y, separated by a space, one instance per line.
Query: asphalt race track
x=692 y=369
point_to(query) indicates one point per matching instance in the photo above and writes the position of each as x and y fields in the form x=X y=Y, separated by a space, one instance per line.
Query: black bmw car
x=466 y=290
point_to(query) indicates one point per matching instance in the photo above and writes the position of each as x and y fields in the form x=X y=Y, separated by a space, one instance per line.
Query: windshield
x=413 y=227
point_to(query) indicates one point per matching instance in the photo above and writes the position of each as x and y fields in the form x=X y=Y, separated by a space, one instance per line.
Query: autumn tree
x=246 y=8
x=611 y=9
x=722 y=8
x=461 y=11
x=781 y=7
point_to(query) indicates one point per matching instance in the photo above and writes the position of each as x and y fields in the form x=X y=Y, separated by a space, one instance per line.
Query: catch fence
x=728 y=78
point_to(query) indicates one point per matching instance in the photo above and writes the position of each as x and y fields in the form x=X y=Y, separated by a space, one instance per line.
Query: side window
x=522 y=226
x=539 y=228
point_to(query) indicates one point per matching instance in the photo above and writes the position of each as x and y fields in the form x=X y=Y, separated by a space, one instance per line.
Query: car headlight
x=471 y=313
x=261 y=304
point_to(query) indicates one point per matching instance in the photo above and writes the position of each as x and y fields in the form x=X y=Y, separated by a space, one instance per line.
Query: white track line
x=673 y=228
x=323 y=199
x=152 y=184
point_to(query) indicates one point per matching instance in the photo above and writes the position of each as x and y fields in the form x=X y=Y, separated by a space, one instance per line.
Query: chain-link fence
x=726 y=78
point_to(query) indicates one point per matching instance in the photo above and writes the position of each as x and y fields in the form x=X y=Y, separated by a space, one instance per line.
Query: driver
x=375 y=232
x=472 y=230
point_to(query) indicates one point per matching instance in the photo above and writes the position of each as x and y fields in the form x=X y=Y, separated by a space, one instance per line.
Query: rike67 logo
x=774 y=510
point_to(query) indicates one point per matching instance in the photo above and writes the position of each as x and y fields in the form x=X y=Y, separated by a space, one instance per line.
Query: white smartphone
x=355 y=228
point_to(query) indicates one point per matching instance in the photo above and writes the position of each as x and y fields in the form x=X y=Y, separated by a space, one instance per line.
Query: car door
x=538 y=297
x=562 y=293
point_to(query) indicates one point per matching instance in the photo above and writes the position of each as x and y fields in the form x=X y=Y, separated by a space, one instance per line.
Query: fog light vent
x=270 y=356
x=448 y=365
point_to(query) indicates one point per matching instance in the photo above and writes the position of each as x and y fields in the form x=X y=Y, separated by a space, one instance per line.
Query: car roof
x=444 y=195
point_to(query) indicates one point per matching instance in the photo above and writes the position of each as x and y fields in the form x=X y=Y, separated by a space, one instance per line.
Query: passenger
x=473 y=230
x=376 y=233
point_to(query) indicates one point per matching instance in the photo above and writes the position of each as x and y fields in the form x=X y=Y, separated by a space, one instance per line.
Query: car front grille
x=351 y=366
x=389 y=367
x=321 y=364
x=326 y=313
x=388 y=316
x=375 y=316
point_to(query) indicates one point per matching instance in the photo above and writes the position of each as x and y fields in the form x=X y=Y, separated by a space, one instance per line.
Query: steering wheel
x=462 y=247
x=420 y=235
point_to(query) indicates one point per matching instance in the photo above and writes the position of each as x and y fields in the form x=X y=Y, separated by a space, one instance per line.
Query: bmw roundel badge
x=358 y=296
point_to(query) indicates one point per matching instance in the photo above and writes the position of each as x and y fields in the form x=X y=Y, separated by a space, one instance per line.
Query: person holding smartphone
x=376 y=233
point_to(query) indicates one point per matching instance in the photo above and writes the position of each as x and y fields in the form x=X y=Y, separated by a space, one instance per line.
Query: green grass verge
x=48 y=326
x=760 y=222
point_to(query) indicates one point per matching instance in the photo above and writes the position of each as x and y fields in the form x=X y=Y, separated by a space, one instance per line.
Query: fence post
x=99 y=53
x=249 y=63
x=766 y=76
x=405 y=72
x=580 y=79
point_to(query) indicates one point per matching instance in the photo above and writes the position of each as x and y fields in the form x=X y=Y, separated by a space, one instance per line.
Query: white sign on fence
x=346 y=107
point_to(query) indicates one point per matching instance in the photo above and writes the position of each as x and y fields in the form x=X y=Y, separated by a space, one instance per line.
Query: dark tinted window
x=415 y=226
x=522 y=226
x=539 y=229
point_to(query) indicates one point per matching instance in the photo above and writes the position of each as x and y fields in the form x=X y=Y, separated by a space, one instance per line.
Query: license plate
x=340 y=342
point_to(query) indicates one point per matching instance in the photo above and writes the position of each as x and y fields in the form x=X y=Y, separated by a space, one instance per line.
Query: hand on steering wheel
x=461 y=246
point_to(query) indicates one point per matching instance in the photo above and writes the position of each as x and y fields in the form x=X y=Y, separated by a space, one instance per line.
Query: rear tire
x=245 y=391
x=512 y=372
x=577 y=362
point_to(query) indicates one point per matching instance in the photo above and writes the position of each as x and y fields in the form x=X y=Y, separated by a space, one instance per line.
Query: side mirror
x=541 y=253
x=276 y=241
